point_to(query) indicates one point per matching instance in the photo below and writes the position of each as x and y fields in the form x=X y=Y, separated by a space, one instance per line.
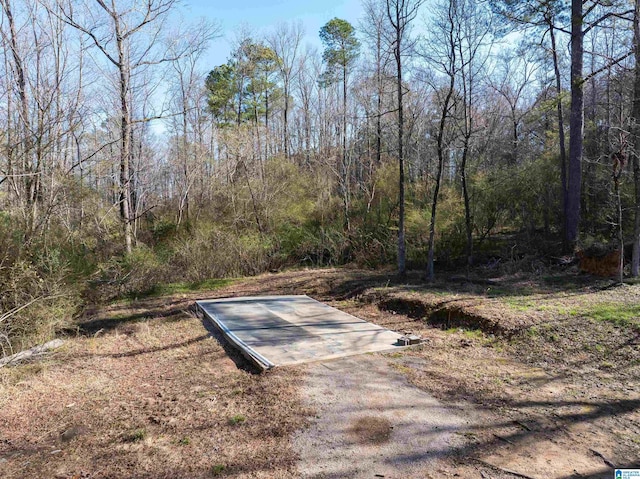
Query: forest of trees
x=428 y=136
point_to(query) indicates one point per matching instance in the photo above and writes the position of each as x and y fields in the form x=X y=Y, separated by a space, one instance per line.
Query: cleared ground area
x=280 y=330
x=534 y=377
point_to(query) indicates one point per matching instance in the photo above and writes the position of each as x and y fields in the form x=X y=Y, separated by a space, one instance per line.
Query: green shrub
x=237 y=419
x=212 y=252
x=38 y=299
x=130 y=275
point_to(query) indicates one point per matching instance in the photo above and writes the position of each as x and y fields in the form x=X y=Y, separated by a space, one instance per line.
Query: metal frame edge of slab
x=234 y=299
x=247 y=351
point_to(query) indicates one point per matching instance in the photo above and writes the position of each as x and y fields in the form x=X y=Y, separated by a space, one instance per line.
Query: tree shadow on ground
x=492 y=437
x=351 y=284
x=106 y=324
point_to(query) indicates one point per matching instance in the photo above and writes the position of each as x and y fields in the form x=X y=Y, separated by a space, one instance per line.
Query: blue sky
x=260 y=16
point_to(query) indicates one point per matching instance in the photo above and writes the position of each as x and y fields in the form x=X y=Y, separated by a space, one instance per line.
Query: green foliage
x=537 y=13
x=450 y=227
x=237 y=419
x=417 y=235
x=492 y=200
x=243 y=89
x=136 y=435
x=625 y=315
x=212 y=251
x=341 y=48
x=374 y=246
x=291 y=196
x=38 y=295
x=163 y=230
x=259 y=64
x=217 y=469
x=130 y=275
x=220 y=89
x=312 y=245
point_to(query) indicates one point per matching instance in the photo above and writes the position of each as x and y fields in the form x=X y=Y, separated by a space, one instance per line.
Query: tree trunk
x=467 y=206
x=25 y=163
x=184 y=210
x=635 y=258
x=379 y=98
x=514 y=139
x=266 y=126
x=286 y=119
x=434 y=204
x=307 y=135
x=635 y=125
x=466 y=71
x=401 y=240
x=576 y=126
x=432 y=223
x=345 y=169
x=563 y=150
x=617 y=172
x=125 y=142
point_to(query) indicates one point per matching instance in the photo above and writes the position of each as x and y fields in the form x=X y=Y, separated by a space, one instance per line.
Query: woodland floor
x=542 y=371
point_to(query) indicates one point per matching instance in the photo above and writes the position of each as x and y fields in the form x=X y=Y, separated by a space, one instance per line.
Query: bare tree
x=513 y=80
x=341 y=50
x=442 y=55
x=375 y=27
x=400 y=14
x=549 y=18
x=473 y=45
x=635 y=132
x=25 y=175
x=188 y=86
x=285 y=42
x=306 y=87
x=44 y=90
x=576 y=125
x=127 y=33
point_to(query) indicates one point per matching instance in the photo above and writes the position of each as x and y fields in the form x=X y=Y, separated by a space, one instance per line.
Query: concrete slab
x=280 y=330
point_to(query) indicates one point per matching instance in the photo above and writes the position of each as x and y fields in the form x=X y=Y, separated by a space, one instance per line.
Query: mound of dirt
x=469 y=312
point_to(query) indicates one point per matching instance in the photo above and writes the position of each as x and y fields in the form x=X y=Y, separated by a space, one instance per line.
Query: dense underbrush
x=287 y=217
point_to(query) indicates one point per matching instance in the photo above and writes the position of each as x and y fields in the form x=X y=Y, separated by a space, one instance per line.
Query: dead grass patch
x=120 y=403
x=370 y=430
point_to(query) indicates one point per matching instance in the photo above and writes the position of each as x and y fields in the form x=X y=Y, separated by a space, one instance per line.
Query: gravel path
x=370 y=422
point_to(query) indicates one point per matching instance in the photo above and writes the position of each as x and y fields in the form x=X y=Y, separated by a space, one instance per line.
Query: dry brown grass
x=143 y=390
x=148 y=395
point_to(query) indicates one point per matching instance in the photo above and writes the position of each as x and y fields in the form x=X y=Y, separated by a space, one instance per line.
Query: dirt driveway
x=371 y=422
